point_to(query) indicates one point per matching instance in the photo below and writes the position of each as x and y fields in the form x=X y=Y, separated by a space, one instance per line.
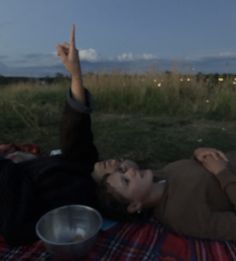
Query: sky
x=116 y=29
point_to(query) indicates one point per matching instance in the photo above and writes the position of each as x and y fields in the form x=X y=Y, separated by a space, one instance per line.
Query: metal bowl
x=69 y=232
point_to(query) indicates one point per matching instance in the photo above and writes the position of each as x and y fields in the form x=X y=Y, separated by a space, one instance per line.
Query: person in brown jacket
x=194 y=197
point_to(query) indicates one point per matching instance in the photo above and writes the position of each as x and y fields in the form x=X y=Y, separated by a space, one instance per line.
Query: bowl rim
x=46 y=241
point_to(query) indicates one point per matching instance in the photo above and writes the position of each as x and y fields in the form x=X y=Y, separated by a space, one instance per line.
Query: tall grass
x=164 y=94
x=30 y=113
x=174 y=108
x=148 y=94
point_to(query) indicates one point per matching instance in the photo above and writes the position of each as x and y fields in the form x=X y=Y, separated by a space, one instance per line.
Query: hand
x=201 y=153
x=69 y=55
x=214 y=164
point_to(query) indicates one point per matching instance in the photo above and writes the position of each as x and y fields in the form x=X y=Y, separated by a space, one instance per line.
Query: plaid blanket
x=137 y=241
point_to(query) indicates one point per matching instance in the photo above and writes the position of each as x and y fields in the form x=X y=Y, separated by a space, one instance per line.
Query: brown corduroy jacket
x=197 y=203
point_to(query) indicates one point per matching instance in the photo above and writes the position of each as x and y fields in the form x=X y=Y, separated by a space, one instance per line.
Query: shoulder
x=184 y=166
x=186 y=175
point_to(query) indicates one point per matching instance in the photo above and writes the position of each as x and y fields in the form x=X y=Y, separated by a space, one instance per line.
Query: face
x=110 y=166
x=133 y=184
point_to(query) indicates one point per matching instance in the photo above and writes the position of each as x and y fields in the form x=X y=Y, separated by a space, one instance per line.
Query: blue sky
x=116 y=29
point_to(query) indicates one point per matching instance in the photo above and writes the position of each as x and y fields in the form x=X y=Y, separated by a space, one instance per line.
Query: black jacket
x=30 y=189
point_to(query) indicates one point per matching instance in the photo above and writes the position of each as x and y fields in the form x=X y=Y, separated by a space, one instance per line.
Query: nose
x=131 y=172
x=113 y=163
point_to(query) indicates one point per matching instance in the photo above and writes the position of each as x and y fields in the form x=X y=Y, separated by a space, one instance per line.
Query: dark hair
x=113 y=205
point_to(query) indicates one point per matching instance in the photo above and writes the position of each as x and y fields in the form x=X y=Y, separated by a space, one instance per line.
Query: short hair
x=113 y=205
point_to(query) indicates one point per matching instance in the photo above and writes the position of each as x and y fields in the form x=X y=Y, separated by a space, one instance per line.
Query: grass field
x=152 y=119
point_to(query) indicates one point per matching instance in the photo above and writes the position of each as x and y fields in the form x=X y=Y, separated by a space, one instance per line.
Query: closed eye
x=125 y=180
x=122 y=169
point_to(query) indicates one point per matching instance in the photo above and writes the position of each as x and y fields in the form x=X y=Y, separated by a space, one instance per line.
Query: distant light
x=181 y=79
x=188 y=80
x=235 y=79
x=220 y=79
x=159 y=84
x=234 y=82
x=154 y=80
x=207 y=101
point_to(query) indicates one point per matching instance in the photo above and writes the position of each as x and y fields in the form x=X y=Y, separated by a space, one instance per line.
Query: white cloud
x=148 y=56
x=88 y=55
x=125 y=57
x=45 y=59
x=133 y=57
x=34 y=59
x=227 y=54
x=30 y=59
x=214 y=54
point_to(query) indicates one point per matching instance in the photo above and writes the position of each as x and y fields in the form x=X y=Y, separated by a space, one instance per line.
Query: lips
x=146 y=172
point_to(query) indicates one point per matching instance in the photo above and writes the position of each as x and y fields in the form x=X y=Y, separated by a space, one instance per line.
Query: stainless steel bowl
x=69 y=232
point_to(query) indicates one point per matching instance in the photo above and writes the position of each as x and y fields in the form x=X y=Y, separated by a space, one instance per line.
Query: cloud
x=89 y=55
x=125 y=57
x=134 y=57
x=44 y=59
x=216 y=55
x=227 y=54
x=33 y=59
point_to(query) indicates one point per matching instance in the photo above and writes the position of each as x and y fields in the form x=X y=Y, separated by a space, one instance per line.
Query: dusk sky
x=116 y=29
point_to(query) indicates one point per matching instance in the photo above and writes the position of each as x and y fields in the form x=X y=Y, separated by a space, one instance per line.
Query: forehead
x=130 y=163
x=120 y=160
x=113 y=177
x=114 y=180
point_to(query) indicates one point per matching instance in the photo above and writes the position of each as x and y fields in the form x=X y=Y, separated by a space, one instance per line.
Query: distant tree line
x=5 y=80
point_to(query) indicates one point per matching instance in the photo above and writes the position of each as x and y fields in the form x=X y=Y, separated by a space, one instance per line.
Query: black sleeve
x=17 y=203
x=76 y=134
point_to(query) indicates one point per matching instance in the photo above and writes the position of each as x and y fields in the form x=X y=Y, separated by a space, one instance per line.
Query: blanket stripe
x=146 y=241
x=32 y=252
x=151 y=241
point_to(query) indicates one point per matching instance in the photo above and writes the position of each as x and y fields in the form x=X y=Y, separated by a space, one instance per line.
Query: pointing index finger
x=72 y=36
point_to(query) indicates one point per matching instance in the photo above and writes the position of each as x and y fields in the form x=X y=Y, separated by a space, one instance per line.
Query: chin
x=148 y=173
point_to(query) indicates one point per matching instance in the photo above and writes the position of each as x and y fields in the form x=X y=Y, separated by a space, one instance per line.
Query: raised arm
x=69 y=56
x=76 y=135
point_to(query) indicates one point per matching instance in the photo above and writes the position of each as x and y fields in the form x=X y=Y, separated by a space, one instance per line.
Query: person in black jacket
x=31 y=188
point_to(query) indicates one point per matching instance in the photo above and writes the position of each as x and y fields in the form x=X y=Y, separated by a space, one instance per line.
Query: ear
x=134 y=207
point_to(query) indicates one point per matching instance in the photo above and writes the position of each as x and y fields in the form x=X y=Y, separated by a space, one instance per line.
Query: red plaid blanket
x=137 y=241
